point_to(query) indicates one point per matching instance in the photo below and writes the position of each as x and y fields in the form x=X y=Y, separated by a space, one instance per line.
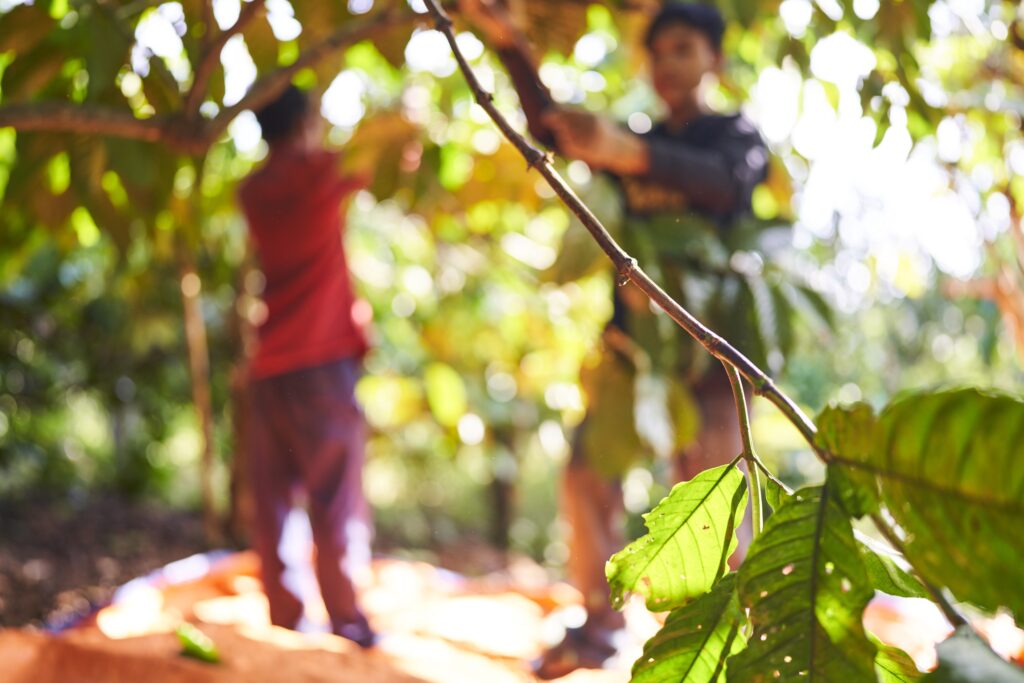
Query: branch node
x=534 y=157
x=626 y=269
x=442 y=21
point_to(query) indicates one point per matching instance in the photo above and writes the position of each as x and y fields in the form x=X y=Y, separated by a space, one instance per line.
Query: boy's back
x=292 y=207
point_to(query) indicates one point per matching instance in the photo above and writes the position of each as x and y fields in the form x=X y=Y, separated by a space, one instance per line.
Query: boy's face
x=680 y=58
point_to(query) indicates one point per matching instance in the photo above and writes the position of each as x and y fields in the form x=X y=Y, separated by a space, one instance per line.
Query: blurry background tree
x=896 y=128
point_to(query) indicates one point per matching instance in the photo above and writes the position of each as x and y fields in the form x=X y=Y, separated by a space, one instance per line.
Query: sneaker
x=358 y=631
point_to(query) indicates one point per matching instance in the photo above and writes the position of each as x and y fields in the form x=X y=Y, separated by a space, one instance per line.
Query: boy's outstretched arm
x=720 y=179
x=492 y=19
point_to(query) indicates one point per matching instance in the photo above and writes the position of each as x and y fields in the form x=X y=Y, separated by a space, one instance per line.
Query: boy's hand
x=598 y=141
x=492 y=19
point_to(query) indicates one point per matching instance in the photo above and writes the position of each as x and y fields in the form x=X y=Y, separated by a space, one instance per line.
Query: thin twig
x=771 y=477
x=212 y=49
x=951 y=613
x=625 y=265
x=753 y=476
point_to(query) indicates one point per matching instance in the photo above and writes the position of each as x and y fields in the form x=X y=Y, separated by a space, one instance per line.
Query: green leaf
x=810 y=302
x=806 y=587
x=609 y=435
x=775 y=494
x=855 y=491
x=196 y=644
x=893 y=665
x=850 y=432
x=887 y=576
x=108 y=44
x=685 y=413
x=950 y=467
x=965 y=658
x=691 y=534
x=766 y=319
x=695 y=640
x=446 y=393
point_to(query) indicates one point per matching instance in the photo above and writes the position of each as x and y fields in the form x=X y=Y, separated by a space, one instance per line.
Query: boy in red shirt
x=305 y=429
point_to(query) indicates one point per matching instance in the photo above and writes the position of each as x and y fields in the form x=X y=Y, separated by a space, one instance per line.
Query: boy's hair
x=704 y=18
x=284 y=116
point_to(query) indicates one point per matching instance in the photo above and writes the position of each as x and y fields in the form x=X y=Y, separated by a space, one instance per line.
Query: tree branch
x=61 y=117
x=178 y=130
x=211 y=52
x=625 y=265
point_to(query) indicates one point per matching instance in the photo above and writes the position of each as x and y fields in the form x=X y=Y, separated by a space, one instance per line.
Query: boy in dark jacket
x=695 y=163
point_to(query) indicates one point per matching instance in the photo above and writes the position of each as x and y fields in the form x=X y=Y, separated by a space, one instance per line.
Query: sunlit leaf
x=696 y=639
x=691 y=534
x=949 y=468
x=806 y=587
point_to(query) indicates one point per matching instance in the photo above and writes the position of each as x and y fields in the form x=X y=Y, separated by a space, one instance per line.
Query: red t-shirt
x=293 y=207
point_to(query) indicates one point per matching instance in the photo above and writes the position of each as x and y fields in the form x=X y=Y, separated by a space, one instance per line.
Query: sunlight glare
x=239 y=70
x=429 y=51
x=342 y=103
x=796 y=16
x=282 y=20
x=841 y=59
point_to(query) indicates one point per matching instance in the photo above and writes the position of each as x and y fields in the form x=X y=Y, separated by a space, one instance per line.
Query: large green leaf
x=965 y=658
x=853 y=431
x=950 y=470
x=691 y=534
x=806 y=587
x=695 y=640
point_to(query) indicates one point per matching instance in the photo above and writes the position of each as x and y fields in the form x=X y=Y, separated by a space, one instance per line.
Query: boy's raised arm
x=491 y=18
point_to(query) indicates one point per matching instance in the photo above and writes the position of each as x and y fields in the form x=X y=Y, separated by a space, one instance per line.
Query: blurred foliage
x=487 y=299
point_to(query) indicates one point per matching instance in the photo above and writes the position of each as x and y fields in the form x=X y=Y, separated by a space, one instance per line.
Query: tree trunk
x=503 y=492
x=244 y=334
x=199 y=373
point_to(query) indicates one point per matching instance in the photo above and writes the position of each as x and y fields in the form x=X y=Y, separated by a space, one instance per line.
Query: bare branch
x=212 y=49
x=625 y=265
x=62 y=117
x=179 y=131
